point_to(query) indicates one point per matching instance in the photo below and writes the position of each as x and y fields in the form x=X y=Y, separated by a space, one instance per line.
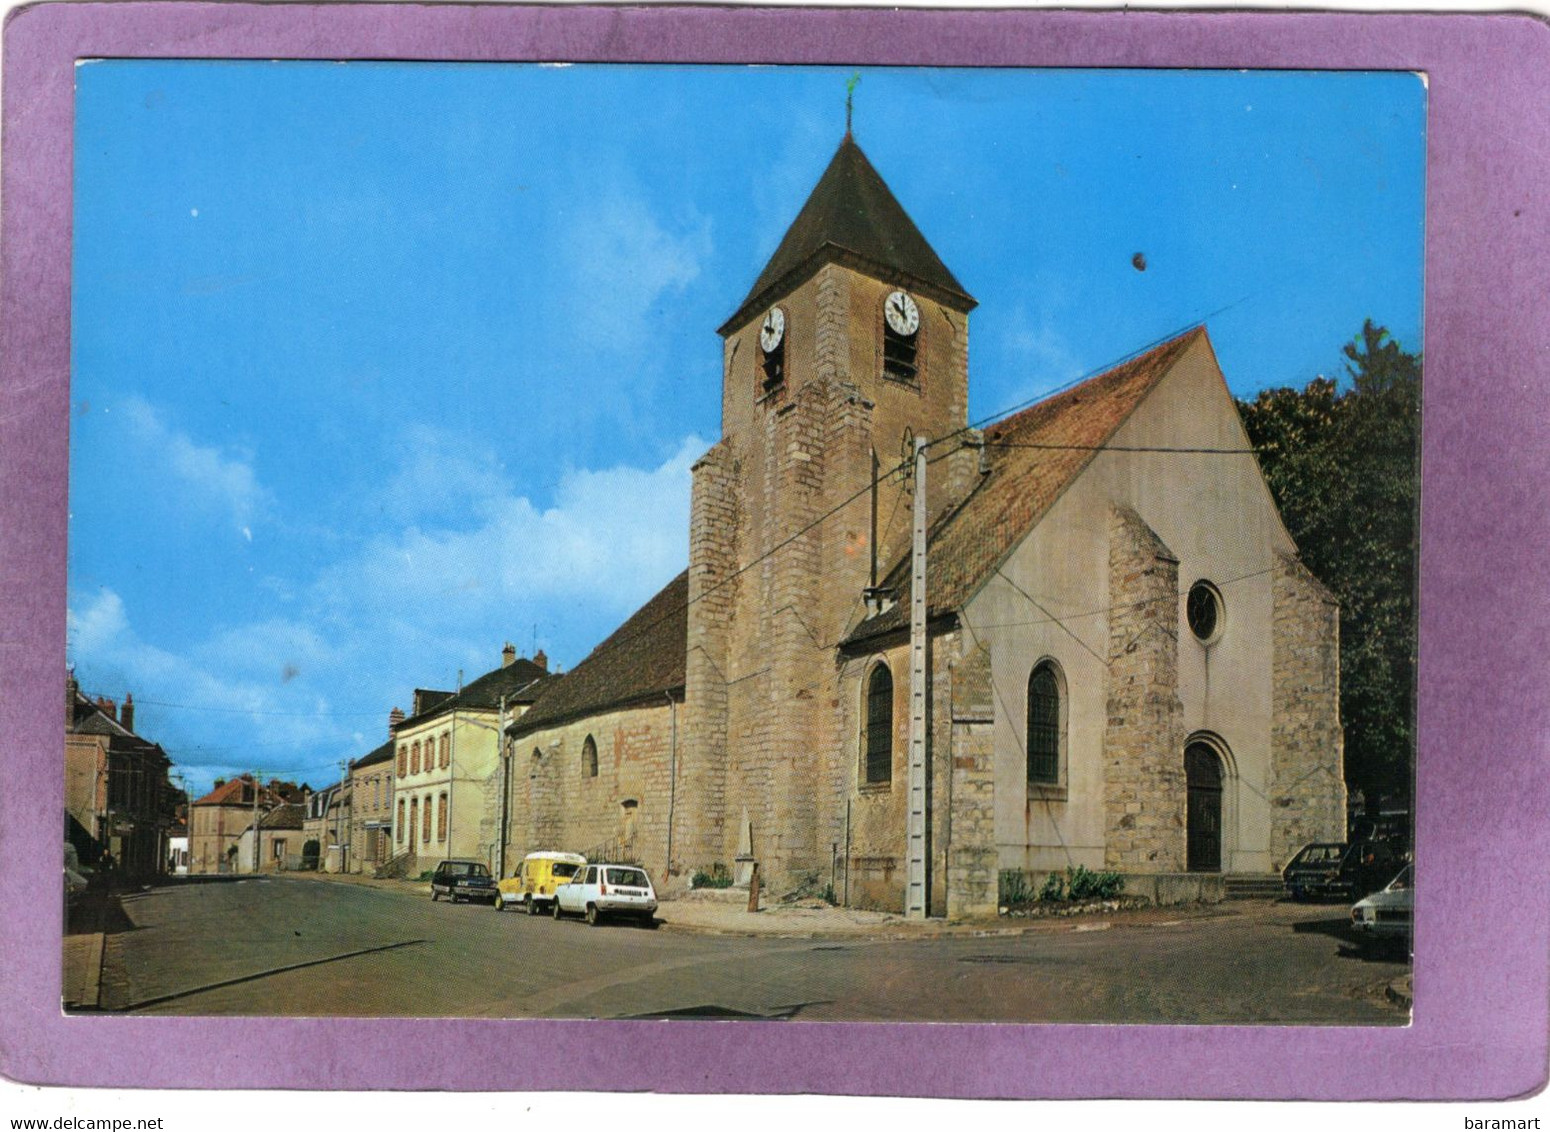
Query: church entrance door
x=1203 y=818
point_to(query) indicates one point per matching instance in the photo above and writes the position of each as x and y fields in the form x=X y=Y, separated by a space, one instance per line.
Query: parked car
x=462 y=880
x=1349 y=870
x=532 y=885
x=1387 y=916
x=601 y=891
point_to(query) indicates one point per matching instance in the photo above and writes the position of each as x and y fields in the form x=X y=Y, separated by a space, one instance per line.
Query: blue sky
x=378 y=366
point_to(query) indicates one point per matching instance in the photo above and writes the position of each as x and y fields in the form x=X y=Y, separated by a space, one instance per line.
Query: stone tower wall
x=1308 y=795
x=1144 y=794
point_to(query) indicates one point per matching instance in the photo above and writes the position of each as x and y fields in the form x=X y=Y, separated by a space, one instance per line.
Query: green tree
x=1343 y=466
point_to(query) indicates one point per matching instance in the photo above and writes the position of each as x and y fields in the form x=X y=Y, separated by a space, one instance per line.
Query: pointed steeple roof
x=852 y=215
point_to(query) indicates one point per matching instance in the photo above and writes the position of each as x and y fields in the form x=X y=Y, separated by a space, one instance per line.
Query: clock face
x=902 y=314
x=773 y=330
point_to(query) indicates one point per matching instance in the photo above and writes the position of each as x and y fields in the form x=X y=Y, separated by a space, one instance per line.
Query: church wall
x=555 y=804
x=1308 y=800
x=877 y=858
x=1215 y=516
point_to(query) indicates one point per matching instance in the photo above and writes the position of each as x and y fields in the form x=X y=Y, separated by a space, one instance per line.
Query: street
x=285 y=946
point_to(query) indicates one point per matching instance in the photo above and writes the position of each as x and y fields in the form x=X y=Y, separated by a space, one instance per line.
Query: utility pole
x=915 y=896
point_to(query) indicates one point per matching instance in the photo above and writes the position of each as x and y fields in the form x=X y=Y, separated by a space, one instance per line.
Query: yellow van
x=533 y=884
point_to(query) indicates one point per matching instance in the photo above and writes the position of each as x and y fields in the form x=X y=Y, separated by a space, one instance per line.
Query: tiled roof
x=644 y=658
x=229 y=793
x=287 y=815
x=972 y=540
x=382 y=754
x=852 y=210
x=518 y=681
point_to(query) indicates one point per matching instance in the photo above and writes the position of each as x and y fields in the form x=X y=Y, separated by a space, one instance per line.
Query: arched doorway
x=1203 y=816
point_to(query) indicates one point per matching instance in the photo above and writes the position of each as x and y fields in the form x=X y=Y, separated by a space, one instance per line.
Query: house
x=217 y=820
x=275 y=843
x=446 y=753
x=1111 y=658
x=326 y=828
x=371 y=806
x=118 y=799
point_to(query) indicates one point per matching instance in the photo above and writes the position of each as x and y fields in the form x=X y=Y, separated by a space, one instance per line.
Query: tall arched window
x=879 y=725
x=414 y=818
x=414 y=758
x=425 y=821
x=441 y=817
x=446 y=746
x=589 y=758
x=403 y=759
x=402 y=825
x=1044 y=725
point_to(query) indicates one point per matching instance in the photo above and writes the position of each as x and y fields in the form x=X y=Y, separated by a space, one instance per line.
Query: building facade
x=118 y=800
x=371 y=808
x=445 y=755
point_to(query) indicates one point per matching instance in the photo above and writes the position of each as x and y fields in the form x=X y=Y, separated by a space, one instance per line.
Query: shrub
x=718 y=877
x=1054 y=889
x=1084 y=884
x=1012 y=888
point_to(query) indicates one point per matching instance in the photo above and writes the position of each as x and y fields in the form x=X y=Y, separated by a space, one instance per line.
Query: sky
x=378 y=366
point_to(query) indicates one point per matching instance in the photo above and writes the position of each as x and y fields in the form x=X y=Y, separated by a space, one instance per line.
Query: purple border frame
x=1482 y=971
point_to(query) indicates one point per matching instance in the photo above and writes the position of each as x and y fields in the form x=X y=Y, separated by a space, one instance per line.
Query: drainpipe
x=505 y=742
x=672 y=784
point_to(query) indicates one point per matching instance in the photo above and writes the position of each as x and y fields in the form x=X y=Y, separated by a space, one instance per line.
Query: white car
x=1389 y=915
x=608 y=890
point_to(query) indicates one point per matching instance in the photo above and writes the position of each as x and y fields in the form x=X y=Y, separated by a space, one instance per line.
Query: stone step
x=1262 y=887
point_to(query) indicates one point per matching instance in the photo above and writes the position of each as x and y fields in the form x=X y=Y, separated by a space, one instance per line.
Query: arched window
x=401 y=823
x=425 y=821
x=414 y=758
x=1044 y=725
x=589 y=758
x=441 y=817
x=446 y=747
x=403 y=759
x=879 y=725
x=414 y=818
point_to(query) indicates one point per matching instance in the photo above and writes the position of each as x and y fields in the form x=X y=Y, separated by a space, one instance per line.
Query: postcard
x=543 y=530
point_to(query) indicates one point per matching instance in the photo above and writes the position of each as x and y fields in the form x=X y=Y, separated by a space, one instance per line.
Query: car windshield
x=627 y=876
x=1320 y=854
x=466 y=869
x=565 y=869
x=1405 y=879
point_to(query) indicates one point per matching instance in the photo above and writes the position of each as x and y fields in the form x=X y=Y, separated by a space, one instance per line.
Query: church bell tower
x=852 y=341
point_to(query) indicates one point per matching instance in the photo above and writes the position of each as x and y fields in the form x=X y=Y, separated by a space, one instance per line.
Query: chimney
x=217 y=784
x=108 y=708
x=541 y=660
x=395 y=717
x=127 y=715
x=508 y=655
x=72 y=689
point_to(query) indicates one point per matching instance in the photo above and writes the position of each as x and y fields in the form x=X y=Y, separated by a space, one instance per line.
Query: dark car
x=462 y=880
x=1349 y=870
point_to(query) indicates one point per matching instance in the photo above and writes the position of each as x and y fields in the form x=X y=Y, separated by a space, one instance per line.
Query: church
x=909 y=656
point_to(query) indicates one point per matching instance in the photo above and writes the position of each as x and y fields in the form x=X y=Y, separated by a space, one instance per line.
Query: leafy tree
x=1343 y=467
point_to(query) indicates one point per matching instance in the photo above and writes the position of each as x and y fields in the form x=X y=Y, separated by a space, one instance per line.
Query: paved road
x=299 y=947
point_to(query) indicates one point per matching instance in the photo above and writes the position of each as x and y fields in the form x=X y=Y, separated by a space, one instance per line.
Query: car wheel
x=532 y=906
x=556 y=908
x=433 y=894
x=592 y=916
x=648 y=921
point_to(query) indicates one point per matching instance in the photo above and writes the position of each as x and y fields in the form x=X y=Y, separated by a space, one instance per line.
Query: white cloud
x=225 y=480
x=609 y=536
x=625 y=261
